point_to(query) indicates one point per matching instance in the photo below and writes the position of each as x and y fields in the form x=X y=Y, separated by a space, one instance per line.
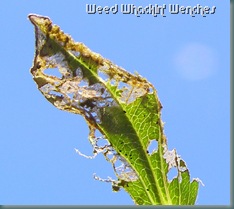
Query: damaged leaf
x=121 y=107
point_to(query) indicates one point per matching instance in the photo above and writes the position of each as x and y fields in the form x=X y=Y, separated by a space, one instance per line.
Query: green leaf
x=121 y=106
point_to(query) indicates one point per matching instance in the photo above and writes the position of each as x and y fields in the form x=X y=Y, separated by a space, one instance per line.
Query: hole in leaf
x=102 y=74
x=47 y=88
x=83 y=83
x=99 y=135
x=53 y=72
x=56 y=94
x=79 y=73
x=123 y=85
x=152 y=147
x=172 y=173
x=102 y=142
x=75 y=53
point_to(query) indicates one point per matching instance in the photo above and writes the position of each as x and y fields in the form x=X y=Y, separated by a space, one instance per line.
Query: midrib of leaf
x=164 y=175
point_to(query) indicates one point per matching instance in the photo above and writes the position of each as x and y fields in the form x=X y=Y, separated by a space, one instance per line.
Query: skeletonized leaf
x=122 y=107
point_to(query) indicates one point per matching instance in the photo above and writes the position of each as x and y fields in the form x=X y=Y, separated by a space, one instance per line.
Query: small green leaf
x=123 y=107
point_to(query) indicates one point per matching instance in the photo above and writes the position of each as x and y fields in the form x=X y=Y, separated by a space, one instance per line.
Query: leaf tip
x=36 y=19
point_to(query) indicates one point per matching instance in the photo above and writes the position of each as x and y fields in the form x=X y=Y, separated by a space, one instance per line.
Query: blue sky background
x=186 y=58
